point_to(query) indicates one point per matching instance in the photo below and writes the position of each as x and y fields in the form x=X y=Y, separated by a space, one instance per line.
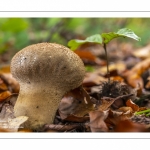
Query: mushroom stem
x=41 y=99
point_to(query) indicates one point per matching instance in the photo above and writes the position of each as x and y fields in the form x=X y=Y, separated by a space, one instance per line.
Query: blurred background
x=16 y=33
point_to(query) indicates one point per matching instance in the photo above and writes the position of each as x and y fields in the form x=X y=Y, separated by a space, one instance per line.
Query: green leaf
x=107 y=37
x=74 y=44
x=128 y=33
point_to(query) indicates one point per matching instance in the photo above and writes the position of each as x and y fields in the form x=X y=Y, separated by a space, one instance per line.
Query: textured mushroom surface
x=45 y=72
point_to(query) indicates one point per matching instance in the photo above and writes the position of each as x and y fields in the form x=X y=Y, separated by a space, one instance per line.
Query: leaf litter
x=94 y=106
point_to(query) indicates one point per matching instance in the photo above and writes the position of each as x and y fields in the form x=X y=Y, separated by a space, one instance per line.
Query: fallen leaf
x=92 y=79
x=5 y=95
x=108 y=101
x=97 y=123
x=129 y=126
x=24 y=130
x=9 y=80
x=142 y=108
x=143 y=52
x=88 y=57
x=119 y=67
x=127 y=111
x=133 y=76
x=147 y=86
x=15 y=124
x=117 y=78
x=4 y=69
x=77 y=102
x=7 y=112
x=4 y=130
x=114 y=117
x=131 y=104
x=73 y=118
x=3 y=86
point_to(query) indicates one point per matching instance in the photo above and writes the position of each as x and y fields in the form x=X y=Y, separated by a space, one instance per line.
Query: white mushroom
x=45 y=72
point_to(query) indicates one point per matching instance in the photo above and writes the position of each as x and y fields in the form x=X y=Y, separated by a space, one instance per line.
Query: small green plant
x=103 y=40
x=144 y=112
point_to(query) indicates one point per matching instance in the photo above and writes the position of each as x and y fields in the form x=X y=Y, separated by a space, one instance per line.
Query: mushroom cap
x=49 y=64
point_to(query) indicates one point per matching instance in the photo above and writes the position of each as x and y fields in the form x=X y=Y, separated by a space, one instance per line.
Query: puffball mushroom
x=45 y=72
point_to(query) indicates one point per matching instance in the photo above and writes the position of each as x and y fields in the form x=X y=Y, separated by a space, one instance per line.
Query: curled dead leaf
x=24 y=130
x=133 y=76
x=97 y=123
x=3 y=86
x=11 y=82
x=131 y=104
x=147 y=86
x=106 y=103
x=5 y=95
x=129 y=126
x=15 y=124
x=127 y=111
x=73 y=118
x=114 y=117
x=117 y=78
x=117 y=67
x=77 y=102
x=92 y=79
x=143 y=52
x=88 y=57
x=4 y=69
x=12 y=125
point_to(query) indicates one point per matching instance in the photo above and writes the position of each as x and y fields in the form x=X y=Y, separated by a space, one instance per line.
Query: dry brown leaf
x=73 y=118
x=15 y=124
x=114 y=117
x=4 y=130
x=97 y=123
x=9 y=80
x=4 y=69
x=120 y=67
x=143 y=52
x=133 y=76
x=24 y=130
x=126 y=109
x=5 y=95
x=77 y=102
x=117 y=78
x=147 y=86
x=106 y=103
x=129 y=126
x=142 y=108
x=131 y=104
x=6 y=113
x=88 y=57
x=95 y=49
x=92 y=79
x=8 y=121
x=3 y=86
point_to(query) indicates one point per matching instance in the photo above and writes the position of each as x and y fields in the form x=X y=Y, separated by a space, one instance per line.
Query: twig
x=63 y=128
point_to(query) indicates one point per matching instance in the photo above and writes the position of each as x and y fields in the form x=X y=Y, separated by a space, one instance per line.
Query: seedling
x=103 y=40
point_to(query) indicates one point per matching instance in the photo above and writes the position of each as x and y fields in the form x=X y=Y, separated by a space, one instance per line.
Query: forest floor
x=121 y=105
